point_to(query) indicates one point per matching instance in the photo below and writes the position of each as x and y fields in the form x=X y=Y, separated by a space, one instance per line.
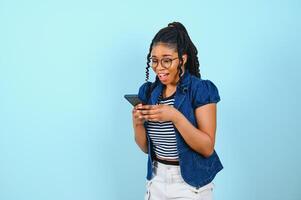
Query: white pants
x=167 y=183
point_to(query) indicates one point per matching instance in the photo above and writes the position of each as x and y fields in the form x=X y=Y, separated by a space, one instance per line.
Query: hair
x=175 y=36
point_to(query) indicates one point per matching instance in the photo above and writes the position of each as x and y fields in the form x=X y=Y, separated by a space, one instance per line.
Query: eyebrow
x=162 y=55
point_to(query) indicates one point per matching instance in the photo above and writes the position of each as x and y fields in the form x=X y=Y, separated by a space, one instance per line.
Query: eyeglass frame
x=160 y=60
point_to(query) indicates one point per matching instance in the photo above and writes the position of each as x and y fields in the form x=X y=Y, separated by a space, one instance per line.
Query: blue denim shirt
x=193 y=92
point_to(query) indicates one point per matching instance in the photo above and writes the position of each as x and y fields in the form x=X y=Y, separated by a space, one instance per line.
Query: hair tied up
x=178 y=26
x=175 y=36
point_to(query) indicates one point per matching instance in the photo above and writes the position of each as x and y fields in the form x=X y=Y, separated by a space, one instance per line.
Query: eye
x=166 y=60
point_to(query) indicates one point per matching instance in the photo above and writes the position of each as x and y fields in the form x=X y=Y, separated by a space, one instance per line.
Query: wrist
x=139 y=125
x=176 y=117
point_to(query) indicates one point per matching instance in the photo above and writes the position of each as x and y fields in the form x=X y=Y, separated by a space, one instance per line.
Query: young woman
x=176 y=123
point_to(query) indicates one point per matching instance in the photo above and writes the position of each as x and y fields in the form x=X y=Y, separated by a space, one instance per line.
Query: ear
x=184 y=57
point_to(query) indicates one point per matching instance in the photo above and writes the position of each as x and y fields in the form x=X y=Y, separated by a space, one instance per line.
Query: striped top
x=162 y=134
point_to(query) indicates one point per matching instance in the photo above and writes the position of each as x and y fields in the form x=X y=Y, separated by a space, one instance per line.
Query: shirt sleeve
x=206 y=92
x=142 y=92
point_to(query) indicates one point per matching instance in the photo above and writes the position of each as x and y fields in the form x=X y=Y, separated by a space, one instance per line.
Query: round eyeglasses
x=165 y=62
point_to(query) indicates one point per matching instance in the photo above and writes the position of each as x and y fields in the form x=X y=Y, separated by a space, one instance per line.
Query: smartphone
x=133 y=99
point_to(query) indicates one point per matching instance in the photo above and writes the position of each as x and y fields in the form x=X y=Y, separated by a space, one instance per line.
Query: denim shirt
x=191 y=93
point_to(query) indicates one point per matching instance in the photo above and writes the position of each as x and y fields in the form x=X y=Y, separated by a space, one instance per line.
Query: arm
x=140 y=137
x=202 y=138
x=139 y=130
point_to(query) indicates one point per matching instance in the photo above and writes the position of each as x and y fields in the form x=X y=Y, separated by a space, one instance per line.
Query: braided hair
x=175 y=36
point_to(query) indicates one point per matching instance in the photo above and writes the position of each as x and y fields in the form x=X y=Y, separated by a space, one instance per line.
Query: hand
x=137 y=116
x=158 y=112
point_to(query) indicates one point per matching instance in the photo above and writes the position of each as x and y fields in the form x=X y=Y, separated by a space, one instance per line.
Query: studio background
x=66 y=130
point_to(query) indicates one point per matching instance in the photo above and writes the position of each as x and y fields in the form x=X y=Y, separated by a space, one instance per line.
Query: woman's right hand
x=137 y=115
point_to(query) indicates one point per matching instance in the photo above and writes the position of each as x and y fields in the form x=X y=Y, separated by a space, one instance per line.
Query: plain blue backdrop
x=66 y=130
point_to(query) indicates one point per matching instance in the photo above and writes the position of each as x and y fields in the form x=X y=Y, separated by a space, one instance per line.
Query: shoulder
x=204 y=91
x=203 y=84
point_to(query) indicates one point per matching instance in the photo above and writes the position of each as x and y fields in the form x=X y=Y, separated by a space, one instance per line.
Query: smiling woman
x=176 y=123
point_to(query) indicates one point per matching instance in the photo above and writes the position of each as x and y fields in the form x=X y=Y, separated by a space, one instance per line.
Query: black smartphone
x=133 y=99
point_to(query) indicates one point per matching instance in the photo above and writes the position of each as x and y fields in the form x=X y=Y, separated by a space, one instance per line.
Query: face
x=163 y=54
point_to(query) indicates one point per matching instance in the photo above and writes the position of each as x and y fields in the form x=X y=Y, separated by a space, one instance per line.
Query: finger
x=139 y=106
x=149 y=112
x=153 y=120
x=151 y=107
x=137 y=114
x=146 y=107
x=139 y=119
x=156 y=107
x=134 y=111
x=152 y=117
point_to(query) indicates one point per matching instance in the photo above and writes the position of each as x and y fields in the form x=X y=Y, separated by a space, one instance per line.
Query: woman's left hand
x=158 y=112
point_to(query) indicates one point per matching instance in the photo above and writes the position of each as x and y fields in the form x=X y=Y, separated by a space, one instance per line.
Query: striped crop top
x=162 y=134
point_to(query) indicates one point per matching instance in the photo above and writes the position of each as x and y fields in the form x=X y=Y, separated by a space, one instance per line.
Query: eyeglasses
x=165 y=62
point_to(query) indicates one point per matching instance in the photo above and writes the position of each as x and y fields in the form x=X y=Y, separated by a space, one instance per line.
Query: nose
x=161 y=68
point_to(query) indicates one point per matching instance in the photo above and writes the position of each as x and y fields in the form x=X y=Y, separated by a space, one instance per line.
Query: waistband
x=167 y=162
x=172 y=174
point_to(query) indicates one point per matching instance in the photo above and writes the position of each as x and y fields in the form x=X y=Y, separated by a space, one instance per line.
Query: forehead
x=161 y=49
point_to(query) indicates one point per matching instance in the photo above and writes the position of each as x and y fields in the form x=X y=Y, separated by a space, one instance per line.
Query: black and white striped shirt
x=162 y=134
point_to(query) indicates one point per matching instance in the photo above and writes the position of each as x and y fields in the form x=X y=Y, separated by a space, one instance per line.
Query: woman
x=176 y=123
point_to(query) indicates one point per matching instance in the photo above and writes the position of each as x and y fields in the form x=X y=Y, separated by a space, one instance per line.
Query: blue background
x=66 y=130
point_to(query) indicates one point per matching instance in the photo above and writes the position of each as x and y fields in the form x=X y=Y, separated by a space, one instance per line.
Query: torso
x=167 y=96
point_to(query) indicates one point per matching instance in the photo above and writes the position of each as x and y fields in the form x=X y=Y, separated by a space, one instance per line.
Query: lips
x=163 y=76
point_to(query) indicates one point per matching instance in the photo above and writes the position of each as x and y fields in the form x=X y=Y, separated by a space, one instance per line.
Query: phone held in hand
x=133 y=99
